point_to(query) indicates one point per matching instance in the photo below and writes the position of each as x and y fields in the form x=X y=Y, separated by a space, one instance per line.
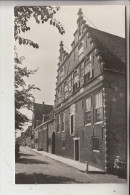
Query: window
x=70 y=84
x=98 y=107
x=88 y=111
x=59 y=95
x=63 y=122
x=88 y=71
x=80 y=51
x=76 y=84
x=95 y=143
x=58 y=123
x=61 y=74
x=66 y=90
x=91 y=58
x=71 y=124
x=63 y=143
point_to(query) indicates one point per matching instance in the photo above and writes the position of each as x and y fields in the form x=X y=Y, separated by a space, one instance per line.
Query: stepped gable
x=112 y=48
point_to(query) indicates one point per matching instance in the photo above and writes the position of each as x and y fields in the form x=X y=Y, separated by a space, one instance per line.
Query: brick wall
x=50 y=130
x=112 y=130
x=45 y=138
x=117 y=129
x=84 y=133
x=40 y=138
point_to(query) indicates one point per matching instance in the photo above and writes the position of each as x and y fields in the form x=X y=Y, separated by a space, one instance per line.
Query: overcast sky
x=109 y=18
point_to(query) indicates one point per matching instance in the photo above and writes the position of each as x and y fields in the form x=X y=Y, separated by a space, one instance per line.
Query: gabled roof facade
x=107 y=51
x=111 y=47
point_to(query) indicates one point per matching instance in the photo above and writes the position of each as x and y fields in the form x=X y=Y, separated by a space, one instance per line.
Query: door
x=76 y=150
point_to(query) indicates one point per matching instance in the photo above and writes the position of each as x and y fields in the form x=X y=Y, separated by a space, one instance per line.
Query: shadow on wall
x=39 y=178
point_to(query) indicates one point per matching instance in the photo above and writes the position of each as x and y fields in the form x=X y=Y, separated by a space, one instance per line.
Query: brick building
x=90 y=100
x=40 y=115
x=43 y=117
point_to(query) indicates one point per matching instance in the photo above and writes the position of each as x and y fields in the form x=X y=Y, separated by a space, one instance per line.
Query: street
x=35 y=168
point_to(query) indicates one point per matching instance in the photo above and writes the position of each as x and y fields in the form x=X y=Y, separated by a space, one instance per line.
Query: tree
x=41 y=14
x=23 y=93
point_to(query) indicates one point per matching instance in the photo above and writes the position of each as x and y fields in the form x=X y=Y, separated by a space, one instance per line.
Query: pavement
x=75 y=164
x=38 y=167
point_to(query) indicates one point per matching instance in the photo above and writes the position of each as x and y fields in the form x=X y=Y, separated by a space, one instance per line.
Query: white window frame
x=98 y=106
x=88 y=107
x=88 y=69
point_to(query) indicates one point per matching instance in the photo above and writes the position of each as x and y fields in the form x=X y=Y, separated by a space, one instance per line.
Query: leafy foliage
x=41 y=14
x=23 y=95
x=22 y=14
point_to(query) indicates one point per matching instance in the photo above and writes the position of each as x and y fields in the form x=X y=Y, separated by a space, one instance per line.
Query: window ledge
x=72 y=134
x=87 y=125
x=97 y=123
x=96 y=151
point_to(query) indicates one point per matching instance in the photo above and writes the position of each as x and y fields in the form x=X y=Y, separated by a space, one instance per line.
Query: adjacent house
x=43 y=116
x=90 y=100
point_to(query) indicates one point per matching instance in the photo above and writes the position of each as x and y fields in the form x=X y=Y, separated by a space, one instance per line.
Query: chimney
x=43 y=118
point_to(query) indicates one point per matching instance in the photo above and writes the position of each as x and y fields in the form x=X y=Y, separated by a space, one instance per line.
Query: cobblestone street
x=34 y=168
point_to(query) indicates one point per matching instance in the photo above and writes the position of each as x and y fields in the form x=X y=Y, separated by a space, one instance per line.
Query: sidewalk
x=75 y=164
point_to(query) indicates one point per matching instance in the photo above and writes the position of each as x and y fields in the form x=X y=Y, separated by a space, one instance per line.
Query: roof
x=111 y=47
x=50 y=116
x=41 y=109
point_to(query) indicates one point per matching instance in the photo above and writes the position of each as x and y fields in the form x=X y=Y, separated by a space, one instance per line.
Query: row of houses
x=89 y=119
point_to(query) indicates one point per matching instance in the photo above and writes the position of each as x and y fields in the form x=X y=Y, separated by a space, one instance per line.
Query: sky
x=109 y=18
